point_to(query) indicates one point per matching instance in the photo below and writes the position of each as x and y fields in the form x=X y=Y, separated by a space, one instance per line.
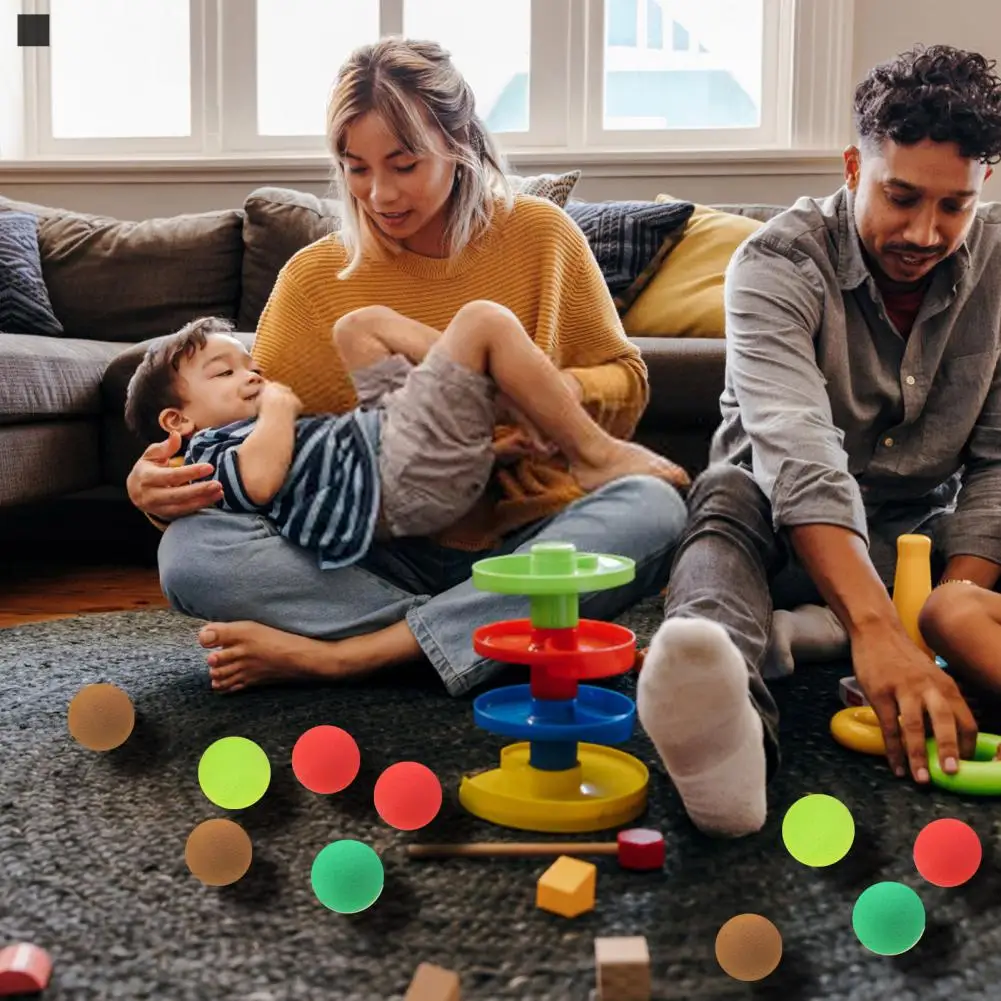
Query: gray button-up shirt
x=840 y=418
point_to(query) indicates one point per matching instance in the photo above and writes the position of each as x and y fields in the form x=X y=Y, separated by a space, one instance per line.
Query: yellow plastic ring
x=858 y=729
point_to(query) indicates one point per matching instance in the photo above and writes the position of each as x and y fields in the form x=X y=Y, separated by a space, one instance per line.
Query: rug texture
x=93 y=870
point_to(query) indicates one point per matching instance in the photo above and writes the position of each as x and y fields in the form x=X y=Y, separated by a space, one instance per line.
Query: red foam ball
x=408 y=795
x=947 y=852
x=326 y=759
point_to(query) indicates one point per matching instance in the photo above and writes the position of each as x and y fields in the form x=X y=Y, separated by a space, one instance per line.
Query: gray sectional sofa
x=114 y=285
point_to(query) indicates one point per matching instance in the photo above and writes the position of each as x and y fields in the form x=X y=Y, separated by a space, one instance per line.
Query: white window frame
x=805 y=97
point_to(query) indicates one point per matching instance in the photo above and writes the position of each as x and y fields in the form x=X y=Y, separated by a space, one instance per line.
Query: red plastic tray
x=591 y=649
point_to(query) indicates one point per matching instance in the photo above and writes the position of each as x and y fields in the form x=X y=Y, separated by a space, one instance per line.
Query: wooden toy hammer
x=638 y=848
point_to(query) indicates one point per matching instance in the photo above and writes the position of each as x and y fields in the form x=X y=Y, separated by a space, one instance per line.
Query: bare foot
x=626 y=458
x=247 y=653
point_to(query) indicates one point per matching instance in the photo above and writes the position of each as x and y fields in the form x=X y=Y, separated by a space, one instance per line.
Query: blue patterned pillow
x=25 y=307
x=630 y=239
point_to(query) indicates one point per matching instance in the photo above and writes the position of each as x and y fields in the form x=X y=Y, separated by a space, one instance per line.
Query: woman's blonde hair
x=414 y=87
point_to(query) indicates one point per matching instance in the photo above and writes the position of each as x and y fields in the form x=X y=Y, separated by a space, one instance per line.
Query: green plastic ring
x=980 y=776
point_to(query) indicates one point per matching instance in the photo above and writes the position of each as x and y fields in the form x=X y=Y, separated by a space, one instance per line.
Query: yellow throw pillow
x=685 y=297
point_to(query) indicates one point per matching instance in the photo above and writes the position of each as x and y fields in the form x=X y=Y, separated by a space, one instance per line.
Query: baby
x=410 y=460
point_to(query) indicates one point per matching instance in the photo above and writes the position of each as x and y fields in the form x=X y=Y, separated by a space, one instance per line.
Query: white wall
x=882 y=28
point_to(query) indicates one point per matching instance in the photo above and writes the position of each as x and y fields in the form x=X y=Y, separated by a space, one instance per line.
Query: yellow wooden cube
x=567 y=887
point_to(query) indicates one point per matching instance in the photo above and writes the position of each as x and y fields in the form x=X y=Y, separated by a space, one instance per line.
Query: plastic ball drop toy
x=563 y=776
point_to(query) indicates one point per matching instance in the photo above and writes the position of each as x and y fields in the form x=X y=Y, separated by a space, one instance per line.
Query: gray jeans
x=228 y=567
x=732 y=567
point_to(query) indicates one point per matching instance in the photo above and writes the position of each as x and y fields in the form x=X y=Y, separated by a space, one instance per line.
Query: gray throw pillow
x=25 y=307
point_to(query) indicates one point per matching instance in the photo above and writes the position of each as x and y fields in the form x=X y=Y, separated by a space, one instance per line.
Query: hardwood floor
x=34 y=592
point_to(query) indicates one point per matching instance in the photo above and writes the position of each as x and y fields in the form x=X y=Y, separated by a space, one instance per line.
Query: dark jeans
x=732 y=567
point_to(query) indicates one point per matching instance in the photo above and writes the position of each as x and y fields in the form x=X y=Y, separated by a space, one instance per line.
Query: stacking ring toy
x=858 y=729
x=980 y=776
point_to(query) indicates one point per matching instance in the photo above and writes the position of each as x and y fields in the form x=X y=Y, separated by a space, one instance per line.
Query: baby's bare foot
x=626 y=458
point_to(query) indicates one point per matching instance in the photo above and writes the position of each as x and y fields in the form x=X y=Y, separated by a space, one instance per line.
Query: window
x=488 y=59
x=709 y=77
x=242 y=77
x=130 y=82
x=295 y=67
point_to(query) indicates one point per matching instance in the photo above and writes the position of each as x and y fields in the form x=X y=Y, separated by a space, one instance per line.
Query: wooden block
x=623 y=968
x=567 y=887
x=433 y=983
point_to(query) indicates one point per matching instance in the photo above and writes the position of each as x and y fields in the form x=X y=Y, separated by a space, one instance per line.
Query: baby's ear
x=172 y=419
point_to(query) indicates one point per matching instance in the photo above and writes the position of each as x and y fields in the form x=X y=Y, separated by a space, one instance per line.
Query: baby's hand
x=514 y=443
x=524 y=437
x=278 y=398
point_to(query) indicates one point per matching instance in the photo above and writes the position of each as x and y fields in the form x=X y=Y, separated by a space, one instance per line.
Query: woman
x=430 y=229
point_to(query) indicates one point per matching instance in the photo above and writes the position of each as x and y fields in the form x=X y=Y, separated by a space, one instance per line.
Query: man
x=863 y=388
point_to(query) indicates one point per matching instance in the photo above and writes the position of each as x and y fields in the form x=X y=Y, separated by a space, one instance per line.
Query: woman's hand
x=167 y=491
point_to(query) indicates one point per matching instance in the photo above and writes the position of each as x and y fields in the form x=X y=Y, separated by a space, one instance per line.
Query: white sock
x=807 y=633
x=693 y=701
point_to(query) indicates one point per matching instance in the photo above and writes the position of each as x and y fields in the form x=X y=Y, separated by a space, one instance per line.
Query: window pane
x=707 y=76
x=654 y=25
x=301 y=45
x=490 y=48
x=622 y=22
x=120 y=69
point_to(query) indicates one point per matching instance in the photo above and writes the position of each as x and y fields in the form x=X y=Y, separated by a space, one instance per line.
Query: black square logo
x=33 y=30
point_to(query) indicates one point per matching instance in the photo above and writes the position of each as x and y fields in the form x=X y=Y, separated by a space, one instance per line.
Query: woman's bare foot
x=626 y=458
x=248 y=653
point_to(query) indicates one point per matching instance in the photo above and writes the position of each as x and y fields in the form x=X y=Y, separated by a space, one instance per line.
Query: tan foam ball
x=101 y=717
x=749 y=947
x=218 y=852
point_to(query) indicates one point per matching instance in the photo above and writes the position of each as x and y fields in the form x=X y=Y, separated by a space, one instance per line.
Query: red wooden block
x=24 y=969
x=641 y=848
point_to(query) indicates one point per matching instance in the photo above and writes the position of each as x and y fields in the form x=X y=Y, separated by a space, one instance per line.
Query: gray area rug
x=92 y=850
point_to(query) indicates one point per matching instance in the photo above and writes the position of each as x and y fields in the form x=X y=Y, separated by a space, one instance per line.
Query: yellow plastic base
x=607 y=788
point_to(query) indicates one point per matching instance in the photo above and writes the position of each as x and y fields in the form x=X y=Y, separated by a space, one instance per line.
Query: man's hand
x=278 y=399
x=165 y=490
x=903 y=685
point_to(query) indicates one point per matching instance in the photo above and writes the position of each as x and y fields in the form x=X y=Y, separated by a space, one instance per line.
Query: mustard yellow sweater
x=534 y=260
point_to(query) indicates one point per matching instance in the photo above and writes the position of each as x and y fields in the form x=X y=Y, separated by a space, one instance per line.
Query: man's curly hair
x=938 y=93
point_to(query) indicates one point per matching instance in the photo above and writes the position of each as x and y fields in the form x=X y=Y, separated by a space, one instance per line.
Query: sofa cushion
x=629 y=239
x=685 y=297
x=686 y=380
x=47 y=377
x=557 y=188
x=24 y=300
x=277 y=223
x=750 y=210
x=115 y=280
x=48 y=459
